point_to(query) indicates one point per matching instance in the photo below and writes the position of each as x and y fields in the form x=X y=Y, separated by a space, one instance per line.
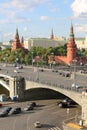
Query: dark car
x=15 y=111
x=14 y=65
x=0 y=104
x=42 y=70
x=5 y=111
x=33 y=104
x=3 y=114
x=63 y=105
x=28 y=108
x=69 y=101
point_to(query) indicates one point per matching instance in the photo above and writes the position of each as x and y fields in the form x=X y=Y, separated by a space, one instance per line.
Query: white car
x=37 y=124
x=19 y=67
x=76 y=86
x=16 y=71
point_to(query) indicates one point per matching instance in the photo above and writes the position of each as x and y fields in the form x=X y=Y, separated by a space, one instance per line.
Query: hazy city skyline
x=36 y=18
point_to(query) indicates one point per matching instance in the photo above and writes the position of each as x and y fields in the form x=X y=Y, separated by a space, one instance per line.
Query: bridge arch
x=3 y=82
x=71 y=94
x=5 y=76
x=42 y=93
x=77 y=97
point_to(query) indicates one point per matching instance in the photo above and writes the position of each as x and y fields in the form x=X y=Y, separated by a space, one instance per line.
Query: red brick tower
x=52 y=35
x=22 y=42
x=16 y=43
x=71 y=47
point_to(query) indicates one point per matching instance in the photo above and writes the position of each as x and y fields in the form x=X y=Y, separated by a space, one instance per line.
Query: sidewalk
x=72 y=124
x=7 y=102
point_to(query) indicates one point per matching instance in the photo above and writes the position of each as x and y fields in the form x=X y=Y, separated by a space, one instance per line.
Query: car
x=6 y=109
x=3 y=113
x=33 y=104
x=28 y=108
x=76 y=86
x=69 y=101
x=63 y=105
x=19 y=67
x=0 y=104
x=37 y=124
x=14 y=65
x=84 y=89
x=54 y=70
x=15 y=111
x=42 y=70
x=16 y=71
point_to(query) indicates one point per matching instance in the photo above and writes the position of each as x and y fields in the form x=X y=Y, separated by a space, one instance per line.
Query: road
x=31 y=73
x=48 y=113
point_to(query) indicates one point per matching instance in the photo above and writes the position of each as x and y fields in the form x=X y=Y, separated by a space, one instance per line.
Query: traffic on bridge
x=62 y=76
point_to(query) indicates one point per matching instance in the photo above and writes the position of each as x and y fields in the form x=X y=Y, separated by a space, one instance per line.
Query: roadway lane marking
x=28 y=118
x=54 y=128
x=14 y=124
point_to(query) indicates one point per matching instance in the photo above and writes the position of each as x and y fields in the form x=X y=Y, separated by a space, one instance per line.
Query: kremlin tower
x=22 y=42
x=52 y=35
x=71 y=50
x=16 y=43
x=71 y=46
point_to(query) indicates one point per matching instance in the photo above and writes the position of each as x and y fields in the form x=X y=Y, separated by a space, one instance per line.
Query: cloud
x=44 y=18
x=25 y=29
x=5 y=21
x=54 y=9
x=65 y=1
x=79 y=7
x=15 y=20
x=8 y=34
x=81 y=28
x=11 y=11
x=52 y=6
x=22 y=4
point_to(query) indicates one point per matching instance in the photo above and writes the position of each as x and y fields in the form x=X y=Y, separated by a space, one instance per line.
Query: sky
x=36 y=18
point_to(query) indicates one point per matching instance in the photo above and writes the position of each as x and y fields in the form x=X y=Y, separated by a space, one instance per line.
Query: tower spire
x=52 y=35
x=17 y=35
x=71 y=31
x=16 y=31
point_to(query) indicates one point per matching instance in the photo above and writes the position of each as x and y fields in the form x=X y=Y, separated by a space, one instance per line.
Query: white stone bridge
x=18 y=85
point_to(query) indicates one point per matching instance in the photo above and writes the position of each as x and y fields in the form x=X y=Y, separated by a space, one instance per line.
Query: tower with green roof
x=71 y=46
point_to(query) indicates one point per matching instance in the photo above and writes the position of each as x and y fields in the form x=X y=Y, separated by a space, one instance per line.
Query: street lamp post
x=32 y=58
x=52 y=61
x=37 y=72
x=17 y=61
x=38 y=59
x=6 y=58
x=75 y=71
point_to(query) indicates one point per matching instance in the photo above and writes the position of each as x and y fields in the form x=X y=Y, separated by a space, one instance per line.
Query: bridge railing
x=50 y=83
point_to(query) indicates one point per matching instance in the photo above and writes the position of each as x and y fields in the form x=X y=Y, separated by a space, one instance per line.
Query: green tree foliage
x=21 y=57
